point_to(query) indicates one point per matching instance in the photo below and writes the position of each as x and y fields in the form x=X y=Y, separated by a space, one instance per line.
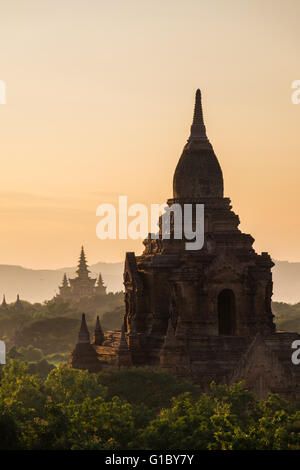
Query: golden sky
x=99 y=104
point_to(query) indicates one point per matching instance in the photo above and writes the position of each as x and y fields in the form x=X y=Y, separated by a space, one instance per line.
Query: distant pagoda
x=64 y=289
x=82 y=285
x=4 y=305
x=100 y=288
x=18 y=304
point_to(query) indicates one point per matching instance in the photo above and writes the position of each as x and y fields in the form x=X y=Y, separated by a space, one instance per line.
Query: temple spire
x=18 y=303
x=198 y=131
x=65 y=281
x=84 y=335
x=82 y=269
x=100 y=281
x=98 y=337
x=4 y=304
x=100 y=288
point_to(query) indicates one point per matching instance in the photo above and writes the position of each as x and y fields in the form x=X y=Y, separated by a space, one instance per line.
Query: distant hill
x=37 y=285
x=286 y=279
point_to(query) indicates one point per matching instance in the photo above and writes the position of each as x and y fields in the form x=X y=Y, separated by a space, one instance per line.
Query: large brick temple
x=204 y=314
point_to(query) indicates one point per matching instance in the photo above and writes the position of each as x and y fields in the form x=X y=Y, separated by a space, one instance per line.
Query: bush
x=31 y=353
x=64 y=384
x=41 y=368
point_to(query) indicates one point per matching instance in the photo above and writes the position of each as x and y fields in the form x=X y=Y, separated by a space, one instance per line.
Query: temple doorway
x=226 y=312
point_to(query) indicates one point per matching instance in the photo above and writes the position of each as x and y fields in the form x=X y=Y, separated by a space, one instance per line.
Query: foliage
x=53 y=326
x=144 y=386
x=58 y=358
x=31 y=354
x=66 y=385
x=112 y=320
x=226 y=419
x=72 y=409
x=51 y=335
x=287 y=317
x=41 y=368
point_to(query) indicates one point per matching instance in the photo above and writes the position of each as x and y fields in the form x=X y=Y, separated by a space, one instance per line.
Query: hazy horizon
x=71 y=265
x=39 y=285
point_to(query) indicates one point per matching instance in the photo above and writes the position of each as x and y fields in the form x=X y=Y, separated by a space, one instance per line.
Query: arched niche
x=226 y=312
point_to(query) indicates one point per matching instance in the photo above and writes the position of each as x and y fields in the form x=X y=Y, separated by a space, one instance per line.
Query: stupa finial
x=198 y=131
x=84 y=335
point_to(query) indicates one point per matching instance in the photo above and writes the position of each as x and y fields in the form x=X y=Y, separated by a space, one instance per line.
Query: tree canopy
x=136 y=409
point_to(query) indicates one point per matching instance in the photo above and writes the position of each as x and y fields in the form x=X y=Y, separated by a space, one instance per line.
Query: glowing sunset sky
x=99 y=104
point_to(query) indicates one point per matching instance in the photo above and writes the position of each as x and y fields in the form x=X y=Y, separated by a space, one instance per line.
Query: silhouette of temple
x=4 y=305
x=101 y=352
x=203 y=314
x=82 y=285
x=18 y=304
x=206 y=314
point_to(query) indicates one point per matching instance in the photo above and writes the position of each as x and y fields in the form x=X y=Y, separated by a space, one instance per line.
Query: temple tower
x=82 y=285
x=215 y=299
x=84 y=355
x=4 y=305
x=100 y=288
x=72 y=290
x=18 y=304
x=98 y=337
x=64 y=289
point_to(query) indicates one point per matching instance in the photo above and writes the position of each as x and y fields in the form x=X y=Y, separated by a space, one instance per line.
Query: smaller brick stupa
x=84 y=355
x=98 y=336
x=103 y=351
